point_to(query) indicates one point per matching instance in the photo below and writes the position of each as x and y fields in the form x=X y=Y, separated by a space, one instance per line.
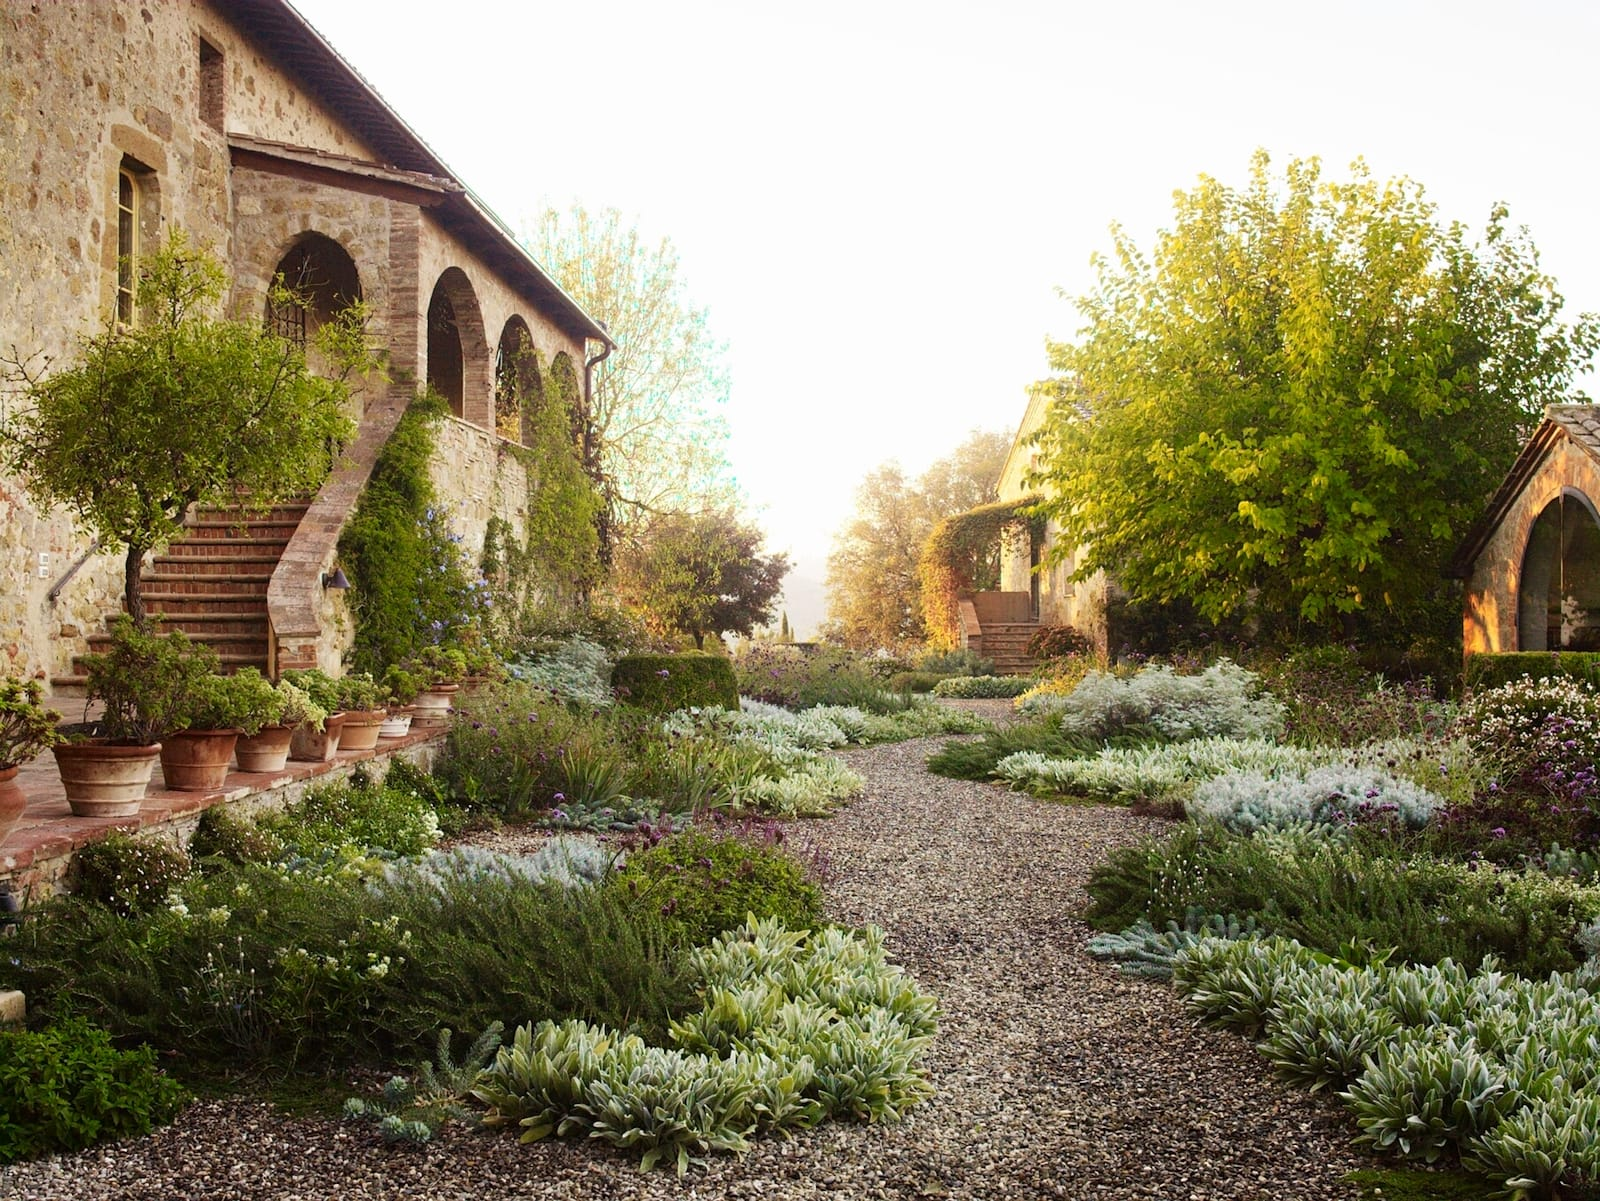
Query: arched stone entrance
x=323 y=280
x=457 y=348
x=1558 y=586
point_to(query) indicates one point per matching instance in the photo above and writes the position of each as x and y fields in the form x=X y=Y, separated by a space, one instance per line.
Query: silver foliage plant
x=1334 y=796
x=566 y=860
x=578 y=670
x=794 y=1028
x=1224 y=701
x=1502 y=1070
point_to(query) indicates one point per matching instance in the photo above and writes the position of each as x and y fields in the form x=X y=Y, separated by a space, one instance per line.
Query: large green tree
x=658 y=436
x=700 y=574
x=1299 y=403
x=182 y=407
x=874 y=588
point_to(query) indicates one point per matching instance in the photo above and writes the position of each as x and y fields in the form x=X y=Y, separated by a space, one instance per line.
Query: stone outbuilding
x=1532 y=563
x=240 y=124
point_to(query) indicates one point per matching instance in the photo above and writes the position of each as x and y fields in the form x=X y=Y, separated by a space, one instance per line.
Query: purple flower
x=663 y=673
x=1498 y=832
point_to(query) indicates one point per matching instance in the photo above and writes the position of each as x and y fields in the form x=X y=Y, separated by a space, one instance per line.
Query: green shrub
x=802 y=677
x=1058 y=642
x=706 y=883
x=795 y=1029
x=662 y=683
x=1359 y=896
x=280 y=967
x=960 y=662
x=128 y=875
x=65 y=1087
x=504 y=751
x=223 y=834
x=983 y=687
x=912 y=681
x=977 y=760
x=1485 y=670
x=357 y=814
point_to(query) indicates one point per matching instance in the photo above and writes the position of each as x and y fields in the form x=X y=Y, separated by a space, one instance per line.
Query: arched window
x=1558 y=591
x=517 y=387
x=127 y=244
x=458 y=349
x=321 y=277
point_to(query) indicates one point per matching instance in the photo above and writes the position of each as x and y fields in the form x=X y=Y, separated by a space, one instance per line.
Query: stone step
x=227 y=548
x=209 y=626
x=254 y=531
x=289 y=513
x=224 y=567
x=200 y=586
x=183 y=605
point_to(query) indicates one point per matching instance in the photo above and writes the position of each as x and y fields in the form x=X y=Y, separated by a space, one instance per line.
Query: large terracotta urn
x=105 y=779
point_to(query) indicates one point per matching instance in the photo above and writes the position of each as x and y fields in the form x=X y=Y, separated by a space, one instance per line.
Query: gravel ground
x=1056 y=1077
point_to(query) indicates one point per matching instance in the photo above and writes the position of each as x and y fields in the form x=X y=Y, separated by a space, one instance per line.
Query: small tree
x=181 y=408
x=705 y=575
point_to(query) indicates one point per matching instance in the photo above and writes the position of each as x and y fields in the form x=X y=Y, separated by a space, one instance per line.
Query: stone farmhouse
x=1531 y=565
x=237 y=122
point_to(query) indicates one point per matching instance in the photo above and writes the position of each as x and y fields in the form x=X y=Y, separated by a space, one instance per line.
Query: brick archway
x=518 y=389
x=458 y=349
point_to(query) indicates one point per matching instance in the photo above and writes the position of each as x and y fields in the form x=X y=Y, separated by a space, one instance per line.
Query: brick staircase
x=212 y=584
x=1006 y=642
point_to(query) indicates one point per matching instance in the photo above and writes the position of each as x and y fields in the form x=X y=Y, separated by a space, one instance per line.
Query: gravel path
x=1056 y=1077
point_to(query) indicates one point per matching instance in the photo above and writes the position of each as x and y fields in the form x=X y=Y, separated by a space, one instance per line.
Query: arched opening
x=322 y=281
x=564 y=391
x=457 y=348
x=1558 y=590
x=517 y=387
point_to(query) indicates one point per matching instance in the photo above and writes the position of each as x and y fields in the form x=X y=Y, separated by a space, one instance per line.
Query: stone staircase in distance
x=1006 y=642
x=212 y=584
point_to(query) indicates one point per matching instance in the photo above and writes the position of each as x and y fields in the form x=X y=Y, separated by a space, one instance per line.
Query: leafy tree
x=705 y=574
x=658 y=440
x=1303 y=400
x=179 y=409
x=874 y=589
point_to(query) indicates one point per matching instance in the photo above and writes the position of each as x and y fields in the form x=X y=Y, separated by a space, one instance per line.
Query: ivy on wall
x=963 y=555
x=556 y=562
x=409 y=584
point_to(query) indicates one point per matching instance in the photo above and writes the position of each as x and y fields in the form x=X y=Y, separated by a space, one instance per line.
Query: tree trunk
x=699 y=640
x=132 y=597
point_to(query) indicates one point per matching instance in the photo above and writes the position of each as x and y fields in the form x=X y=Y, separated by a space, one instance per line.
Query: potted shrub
x=400 y=689
x=443 y=669
x=280 y=710
x=195 y=755
x=316 y=741
x=26 y=729
x=144 y=683
x=361 y=700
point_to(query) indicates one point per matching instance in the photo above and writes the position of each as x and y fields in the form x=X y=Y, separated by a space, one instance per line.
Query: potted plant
x=195 y=756
x=26 y=729
x=145 y=683
x=274 y=715
x=361 y=699
x=314 y=740
x=443 y=668
x=400 y=689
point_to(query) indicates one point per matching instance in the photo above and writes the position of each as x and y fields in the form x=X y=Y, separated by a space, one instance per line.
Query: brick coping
x=47 y=829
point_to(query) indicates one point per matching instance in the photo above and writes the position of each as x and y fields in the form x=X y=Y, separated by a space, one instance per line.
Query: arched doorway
x=1558 y=590
x=457 y=347
x=322 y=280
x=517 y=387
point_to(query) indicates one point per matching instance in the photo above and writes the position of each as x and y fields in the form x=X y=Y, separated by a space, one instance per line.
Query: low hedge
x=913 y=681
x=1487 y=670
x=662 y=683
x=983 y=687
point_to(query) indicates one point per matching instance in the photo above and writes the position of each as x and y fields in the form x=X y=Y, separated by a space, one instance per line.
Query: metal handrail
x=55 y=589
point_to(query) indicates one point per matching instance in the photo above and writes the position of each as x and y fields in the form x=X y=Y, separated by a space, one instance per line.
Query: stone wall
x=1490 y=611
x=478 y=477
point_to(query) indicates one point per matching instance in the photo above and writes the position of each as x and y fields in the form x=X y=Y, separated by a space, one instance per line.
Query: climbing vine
x=963 y=554
x=556 y=562
x=410 y=585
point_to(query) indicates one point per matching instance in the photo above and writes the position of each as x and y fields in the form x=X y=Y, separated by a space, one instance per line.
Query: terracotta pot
x=437 y=699
x=103 y=779
x=429 y=719
x=12 y=801
x=396 y=725
x=361 y=729
x=310 y=745
x=197 y=760
x=265 y=751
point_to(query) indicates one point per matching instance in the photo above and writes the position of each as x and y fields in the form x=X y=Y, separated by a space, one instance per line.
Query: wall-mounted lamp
x=335 y=579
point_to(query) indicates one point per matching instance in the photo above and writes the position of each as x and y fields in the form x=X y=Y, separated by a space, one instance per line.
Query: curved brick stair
x=212 y=584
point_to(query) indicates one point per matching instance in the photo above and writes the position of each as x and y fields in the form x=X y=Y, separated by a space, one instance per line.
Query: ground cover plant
x=1435 y=1062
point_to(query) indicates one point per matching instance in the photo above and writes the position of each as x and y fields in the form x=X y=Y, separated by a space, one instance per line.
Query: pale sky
x=878 y=201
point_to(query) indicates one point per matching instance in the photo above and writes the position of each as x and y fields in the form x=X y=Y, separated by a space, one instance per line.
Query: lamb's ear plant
x=414 y=1110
